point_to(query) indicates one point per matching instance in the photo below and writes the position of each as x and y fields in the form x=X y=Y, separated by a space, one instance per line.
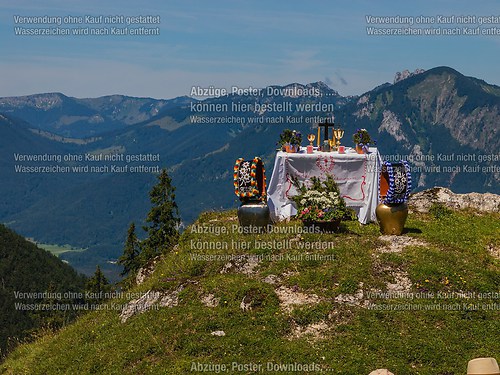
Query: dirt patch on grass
x=290 y=297
x=494 y=250
x=314 y=331
x=396 y=244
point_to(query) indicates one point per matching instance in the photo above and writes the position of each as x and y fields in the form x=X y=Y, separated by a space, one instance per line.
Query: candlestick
x=332 y=144
x=310 y=138
x=318 y=135
x=338 y=134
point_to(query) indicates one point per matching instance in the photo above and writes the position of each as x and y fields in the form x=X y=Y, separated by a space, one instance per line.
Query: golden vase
x=392 y=217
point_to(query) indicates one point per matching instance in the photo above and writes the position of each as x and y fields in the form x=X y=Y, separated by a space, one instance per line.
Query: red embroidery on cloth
x=326 y=164
x=363 y=183
x=289 y=182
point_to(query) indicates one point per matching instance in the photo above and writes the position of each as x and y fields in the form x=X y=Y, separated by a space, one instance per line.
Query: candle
x=318 y=135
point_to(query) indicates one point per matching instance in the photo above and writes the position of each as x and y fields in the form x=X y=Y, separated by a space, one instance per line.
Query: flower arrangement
x=292 y=137
x=362 y=137
x=321 y=202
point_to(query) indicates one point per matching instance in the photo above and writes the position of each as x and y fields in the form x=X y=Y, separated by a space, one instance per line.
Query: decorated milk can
x=395 y=187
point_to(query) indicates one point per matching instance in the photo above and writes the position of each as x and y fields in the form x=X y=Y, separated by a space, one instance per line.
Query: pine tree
x=97 y=286
x=163 y=219
x=130 y=258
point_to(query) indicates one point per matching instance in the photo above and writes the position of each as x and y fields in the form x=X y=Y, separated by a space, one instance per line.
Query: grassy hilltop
x=347 y=303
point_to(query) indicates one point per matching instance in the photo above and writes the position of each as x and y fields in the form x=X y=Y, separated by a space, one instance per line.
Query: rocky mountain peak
x=324 y=88
x=406 y=74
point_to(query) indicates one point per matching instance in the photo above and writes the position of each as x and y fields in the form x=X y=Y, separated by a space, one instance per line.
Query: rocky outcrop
x=245 y=264
x=406 y=74
x=149 y=301
x=209 y=300
x=146 y=271
x=423 y=201
x=393 y=126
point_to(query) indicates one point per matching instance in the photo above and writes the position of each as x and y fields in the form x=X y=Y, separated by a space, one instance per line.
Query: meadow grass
x=435 y=334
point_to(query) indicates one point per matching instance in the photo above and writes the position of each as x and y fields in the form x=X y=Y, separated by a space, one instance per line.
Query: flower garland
x=399 y=191
x=246 y=179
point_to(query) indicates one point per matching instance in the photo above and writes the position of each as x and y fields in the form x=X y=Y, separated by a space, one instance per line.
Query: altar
x=357 y=176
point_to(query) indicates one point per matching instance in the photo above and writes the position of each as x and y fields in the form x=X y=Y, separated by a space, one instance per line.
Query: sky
x=238 y=43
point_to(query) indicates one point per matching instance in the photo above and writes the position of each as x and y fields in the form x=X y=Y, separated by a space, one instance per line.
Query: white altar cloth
x=357 y=176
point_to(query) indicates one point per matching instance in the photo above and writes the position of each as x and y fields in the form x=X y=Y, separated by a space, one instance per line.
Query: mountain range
x=438 y=118
x=83 y=118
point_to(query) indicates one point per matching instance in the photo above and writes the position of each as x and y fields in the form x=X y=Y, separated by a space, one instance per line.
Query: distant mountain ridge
x=436 y=112
x=79 y=118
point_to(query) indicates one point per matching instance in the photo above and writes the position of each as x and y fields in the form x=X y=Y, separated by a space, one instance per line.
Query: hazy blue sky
x=236 y=43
